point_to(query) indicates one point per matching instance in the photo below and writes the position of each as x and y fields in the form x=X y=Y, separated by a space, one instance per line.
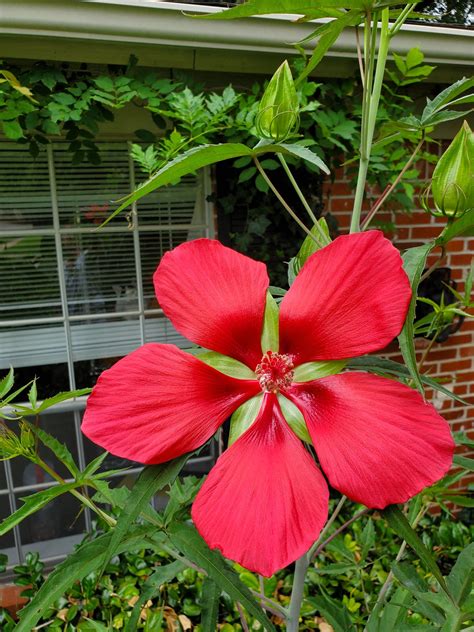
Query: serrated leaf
x=402 y=527
x=162 y=575
x=61 y=452
x=414 y=261
x=445 y=98
x=382 y=366
x=460 y=579
x=306 y=154
x=33 y=503
x=187 y=540
x=93 y=466
x=6 y=383
x=33 y=394
x=270 y=339
x=152 y=479
x=209 y=605
x=84 y=560
x=243 y=417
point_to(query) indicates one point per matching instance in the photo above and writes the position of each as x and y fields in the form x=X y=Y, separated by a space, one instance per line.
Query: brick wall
x=452 y=360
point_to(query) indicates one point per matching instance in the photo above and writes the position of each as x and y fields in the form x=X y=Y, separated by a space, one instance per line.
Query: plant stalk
x=370 y=106
x=282 y=200
x=301 y=566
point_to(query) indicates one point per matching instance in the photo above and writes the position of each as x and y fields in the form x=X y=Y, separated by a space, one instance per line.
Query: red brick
x=424 y=232
x=458 y=365
x=467 y=352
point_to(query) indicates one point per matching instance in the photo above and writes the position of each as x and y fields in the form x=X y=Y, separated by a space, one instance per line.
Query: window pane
x=172 y=205
x=29 y=273
x=85 y=191
x=35 y=345
x=25 y=195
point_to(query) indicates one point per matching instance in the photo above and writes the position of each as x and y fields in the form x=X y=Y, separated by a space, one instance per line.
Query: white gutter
x=157 y=23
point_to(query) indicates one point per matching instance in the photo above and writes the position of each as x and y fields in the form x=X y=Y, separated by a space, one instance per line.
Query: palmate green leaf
x=461 y=577
x=462 y=226
x=35 y=502
x=162 y=575
x=6 y=383
x=187 y=540
x=397 y=521
x=84 y=560
x=209 y=605
x=57 y=448
x=194 y=159
x=408 y=577
x=152 y=479
x=382 y=366
x=414 y=261
x=445 y=98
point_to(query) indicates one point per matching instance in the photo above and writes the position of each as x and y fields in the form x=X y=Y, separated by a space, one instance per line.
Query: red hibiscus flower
x=265 y=501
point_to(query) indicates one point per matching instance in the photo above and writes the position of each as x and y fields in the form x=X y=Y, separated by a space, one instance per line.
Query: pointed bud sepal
x=277 y=116
x=452 y=186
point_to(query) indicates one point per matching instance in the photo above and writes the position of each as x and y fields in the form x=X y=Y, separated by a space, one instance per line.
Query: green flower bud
x=10 y=445
x=27 y=438
x=277 y=116
x=452 y=185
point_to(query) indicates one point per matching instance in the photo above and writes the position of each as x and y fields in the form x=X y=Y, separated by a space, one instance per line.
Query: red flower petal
x=159 y=402
x=350 y=298
x=265 y=501
x=215 y=297
x=377 y=441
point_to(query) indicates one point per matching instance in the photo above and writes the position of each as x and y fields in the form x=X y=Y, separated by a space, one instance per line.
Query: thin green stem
x=301 y=566
x=327 y=526
x=397 y=25
x=370 y=115
x=344 y=526
x=286 y=206
x=81 y=497
x=389 y=189
x=301 y=196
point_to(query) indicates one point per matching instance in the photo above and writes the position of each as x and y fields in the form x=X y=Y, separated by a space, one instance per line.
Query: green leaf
x=309 y=371
x=462 y=226
x=414 y=261
x=33 y=503
x=328 y=37
x=6 y=383
x=463 y=461
x=92 y=467
x=266 y=7
x=209 y=605
x=152 y=479
x=12 y=129
x=402 y=527
x=306 y=154
x=182 y=165
x=84 y=560
x=270 y=339
x=33 y=394
x=226 y=365
x=389 y=616
x=411 y=580
x=461 y=577
x=382 y=366
x=445 y=98
x=162 y=575
x=61 y=397
x=58 y=449
x=187 y=540
x=459 y=499
x=320 y=232
x=244 y=417
x=295 y=418
x=333 y=611
x=367 y=538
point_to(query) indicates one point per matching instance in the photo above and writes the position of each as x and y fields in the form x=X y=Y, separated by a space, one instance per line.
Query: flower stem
x=344 y=526
x=327 y=526
x=81 y=497
x=370 y=104
x=286 y=206
x=390 y=188
x=301 y=566
x=323 y=237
